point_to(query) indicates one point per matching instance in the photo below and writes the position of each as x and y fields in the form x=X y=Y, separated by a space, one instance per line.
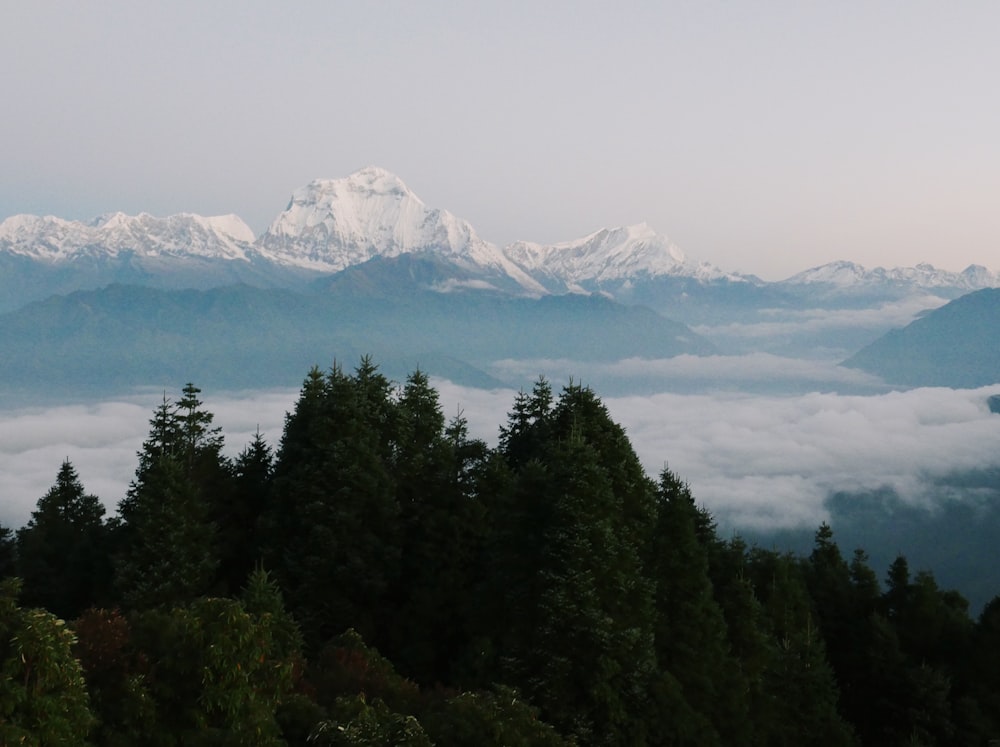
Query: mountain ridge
x=331 y=224
x=949 y=346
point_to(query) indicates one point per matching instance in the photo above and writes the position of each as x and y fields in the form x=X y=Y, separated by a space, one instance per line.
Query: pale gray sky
x=765 y=137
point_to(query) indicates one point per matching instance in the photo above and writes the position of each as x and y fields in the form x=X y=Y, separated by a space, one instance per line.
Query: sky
x=754 y=460
x=765 y=137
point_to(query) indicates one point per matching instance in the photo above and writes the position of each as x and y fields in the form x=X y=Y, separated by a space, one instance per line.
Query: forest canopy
x=379 y=577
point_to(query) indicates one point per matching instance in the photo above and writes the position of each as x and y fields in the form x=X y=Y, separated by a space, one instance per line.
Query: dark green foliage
x=494 y=718
x=579 y=636
x=359 y=722
x=750 y=642
x=347 y=666
x=551 y=564
x=237 y=513
x=8 y=552
x=333 y=524
x=215 y=673
x=167 y=543
x=691 y=635
x=116 y=677
x=43 y=696
x=802 y=696
x=170 y=557
x=442 y=525
x=984 y=670
x=63 y=550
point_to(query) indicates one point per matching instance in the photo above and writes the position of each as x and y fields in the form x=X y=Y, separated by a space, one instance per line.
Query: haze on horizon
x=764 y=138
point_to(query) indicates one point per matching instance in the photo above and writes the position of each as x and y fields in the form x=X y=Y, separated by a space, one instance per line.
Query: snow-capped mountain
x=54 y=240
x=372 y=224
x=846 y=275
x=608 y=255
x=333 y=224
x=44 y=256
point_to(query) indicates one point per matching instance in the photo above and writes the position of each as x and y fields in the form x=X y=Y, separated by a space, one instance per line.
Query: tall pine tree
x=62 y=550
x=333 y=524
x=167 y=551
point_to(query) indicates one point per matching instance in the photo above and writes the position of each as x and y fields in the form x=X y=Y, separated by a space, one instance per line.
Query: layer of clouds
x=755 y=460
x=102 y=439
x=768 y=461
x=691 y=373
x=781 y=322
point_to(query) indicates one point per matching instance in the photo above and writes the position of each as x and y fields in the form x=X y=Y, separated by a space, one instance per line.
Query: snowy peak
x=616 y=254
x=846 y=275
x=332 y=224
x=54 y=240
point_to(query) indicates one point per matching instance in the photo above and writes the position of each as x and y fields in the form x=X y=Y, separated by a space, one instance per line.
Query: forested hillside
x=379 y=577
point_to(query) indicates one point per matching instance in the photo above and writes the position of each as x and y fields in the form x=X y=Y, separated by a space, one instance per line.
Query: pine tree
x=802 y=703
x=333 y=522
x=166 y=540
x=442 y=532
x=691 y=633
x=8 y=552
x=238 y=513
x=62 y=550
x=747 y=630
x=579 y=635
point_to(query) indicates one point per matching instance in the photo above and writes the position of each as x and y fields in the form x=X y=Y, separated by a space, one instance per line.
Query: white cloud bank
x=771 y=461
x=753 y=460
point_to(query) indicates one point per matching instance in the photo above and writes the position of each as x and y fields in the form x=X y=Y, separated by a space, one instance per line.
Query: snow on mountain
x=332 y=224
x=54 y=240
x=846 y=275
x=609 y=255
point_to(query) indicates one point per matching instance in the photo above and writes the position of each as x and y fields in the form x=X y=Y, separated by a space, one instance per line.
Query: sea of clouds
x=756 y=459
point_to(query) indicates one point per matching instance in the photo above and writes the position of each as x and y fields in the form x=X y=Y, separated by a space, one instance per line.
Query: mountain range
x=331 y=225
x=361 y=265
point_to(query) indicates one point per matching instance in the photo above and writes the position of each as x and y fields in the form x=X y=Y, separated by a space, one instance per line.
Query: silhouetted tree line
x=382 y=578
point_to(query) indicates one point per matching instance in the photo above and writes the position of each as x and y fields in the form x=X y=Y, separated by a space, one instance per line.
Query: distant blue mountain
x=957 y=345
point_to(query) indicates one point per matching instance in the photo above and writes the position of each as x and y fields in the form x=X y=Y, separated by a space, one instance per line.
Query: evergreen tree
x=239 y=511
x=579 y=635
x=333 y=524
x=802 y=703
x=748 y=632
x=166 y=540
x=691 y=634
x=984 y=668
x=171 y=556
x=8 y=552
x=934 y=636
x=442 y=525
x=62 y=551
x=843 y=608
